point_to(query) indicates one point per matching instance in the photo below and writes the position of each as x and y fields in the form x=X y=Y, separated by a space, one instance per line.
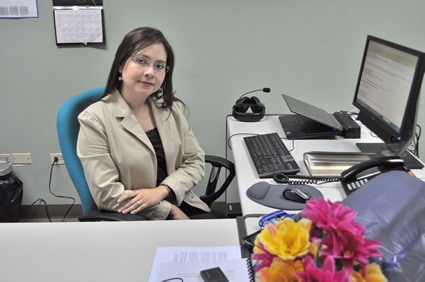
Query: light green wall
x=307 y=49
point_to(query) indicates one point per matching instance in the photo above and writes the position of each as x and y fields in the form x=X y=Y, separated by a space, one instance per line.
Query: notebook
x=308 y=121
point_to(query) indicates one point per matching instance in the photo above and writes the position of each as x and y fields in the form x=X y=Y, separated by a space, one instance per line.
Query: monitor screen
x=387 y=94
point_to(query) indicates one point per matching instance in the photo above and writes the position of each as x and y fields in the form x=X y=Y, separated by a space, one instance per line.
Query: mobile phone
x=214 y=274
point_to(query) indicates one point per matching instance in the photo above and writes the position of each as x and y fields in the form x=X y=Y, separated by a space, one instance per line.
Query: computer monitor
x=387 y=94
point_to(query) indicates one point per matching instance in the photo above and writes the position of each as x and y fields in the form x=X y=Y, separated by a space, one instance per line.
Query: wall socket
x=21 y=158
x=56 y=155
x=18 y=158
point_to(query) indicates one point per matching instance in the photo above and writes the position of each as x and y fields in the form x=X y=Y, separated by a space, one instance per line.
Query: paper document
x=187 y=262
x=18 y=9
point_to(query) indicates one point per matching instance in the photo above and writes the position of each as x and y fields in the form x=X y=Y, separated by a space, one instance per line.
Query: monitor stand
x=378 y=148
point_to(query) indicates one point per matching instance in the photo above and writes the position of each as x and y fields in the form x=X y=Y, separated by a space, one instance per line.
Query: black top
x=155 y=139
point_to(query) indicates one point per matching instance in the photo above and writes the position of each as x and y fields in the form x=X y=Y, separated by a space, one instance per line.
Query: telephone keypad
x=355 y=185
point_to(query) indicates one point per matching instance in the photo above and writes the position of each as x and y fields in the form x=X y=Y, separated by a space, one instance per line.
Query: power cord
x=55 y=160
x=46 y=209
x=253 y=134
x=236 y=134
x=292 y=145
x=414 y=147
x=42 y=201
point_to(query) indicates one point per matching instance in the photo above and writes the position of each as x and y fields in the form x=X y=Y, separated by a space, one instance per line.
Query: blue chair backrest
x=67 y=126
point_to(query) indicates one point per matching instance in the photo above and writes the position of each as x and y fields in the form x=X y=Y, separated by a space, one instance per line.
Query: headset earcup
x=240 y=109
x=242 y=105
x=256 y=105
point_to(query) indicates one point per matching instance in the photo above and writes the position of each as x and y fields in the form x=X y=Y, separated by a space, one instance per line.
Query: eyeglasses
x=145 y=63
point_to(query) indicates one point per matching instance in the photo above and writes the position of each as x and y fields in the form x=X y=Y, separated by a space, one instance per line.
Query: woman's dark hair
x=133 y=42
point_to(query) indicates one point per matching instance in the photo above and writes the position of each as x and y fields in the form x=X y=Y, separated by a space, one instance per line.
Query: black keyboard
x=270 y=155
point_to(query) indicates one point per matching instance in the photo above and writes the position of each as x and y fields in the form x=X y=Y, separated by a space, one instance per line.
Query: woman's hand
x=137 y=200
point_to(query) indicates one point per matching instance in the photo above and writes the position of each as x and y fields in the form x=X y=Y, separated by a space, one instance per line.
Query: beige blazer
x=117 y=155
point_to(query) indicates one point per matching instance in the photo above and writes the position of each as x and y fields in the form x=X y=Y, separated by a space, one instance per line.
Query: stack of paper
x=186 y=263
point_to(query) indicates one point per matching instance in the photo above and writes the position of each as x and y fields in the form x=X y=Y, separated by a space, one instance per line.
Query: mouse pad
x=271 y=195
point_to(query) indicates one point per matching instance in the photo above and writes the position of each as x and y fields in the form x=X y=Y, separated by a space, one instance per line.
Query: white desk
x=246 y=174
x=100 y=251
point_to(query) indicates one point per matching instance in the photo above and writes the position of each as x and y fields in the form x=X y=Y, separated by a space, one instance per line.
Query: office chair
x=221 y=174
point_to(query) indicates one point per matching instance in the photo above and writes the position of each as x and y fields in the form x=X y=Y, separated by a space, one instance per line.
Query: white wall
x=309 y=49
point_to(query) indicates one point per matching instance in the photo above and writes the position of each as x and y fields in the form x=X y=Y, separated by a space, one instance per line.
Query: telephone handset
x=357 y=175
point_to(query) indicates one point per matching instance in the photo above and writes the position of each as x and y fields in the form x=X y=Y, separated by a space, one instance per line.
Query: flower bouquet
x=325 y=245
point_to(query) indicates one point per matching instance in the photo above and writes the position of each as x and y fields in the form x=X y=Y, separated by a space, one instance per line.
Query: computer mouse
x=296 y=194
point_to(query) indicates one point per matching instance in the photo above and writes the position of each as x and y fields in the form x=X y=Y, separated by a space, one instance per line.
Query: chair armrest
x=213 y=192
x=101 y=215
x=220 y=161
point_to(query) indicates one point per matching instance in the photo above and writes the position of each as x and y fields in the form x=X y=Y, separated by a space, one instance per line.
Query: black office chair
x=68 y=127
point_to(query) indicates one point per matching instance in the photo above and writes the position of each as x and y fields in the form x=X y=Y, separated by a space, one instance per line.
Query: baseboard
x=43 y=211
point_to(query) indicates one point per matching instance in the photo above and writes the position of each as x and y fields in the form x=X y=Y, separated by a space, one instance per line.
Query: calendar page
x=78 y=25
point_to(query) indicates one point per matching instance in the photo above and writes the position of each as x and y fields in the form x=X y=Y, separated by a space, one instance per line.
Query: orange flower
x=280 y=271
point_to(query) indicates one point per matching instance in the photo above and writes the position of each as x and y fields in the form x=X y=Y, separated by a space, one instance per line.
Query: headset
x=241 y=107
x=243 y=104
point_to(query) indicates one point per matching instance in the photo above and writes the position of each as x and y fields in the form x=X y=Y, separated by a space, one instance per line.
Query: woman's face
x=144 y=71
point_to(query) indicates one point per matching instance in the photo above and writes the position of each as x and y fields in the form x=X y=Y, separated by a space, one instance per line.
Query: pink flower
x=327 y=273
x=332 y=216
x=342 y=236
x=360 y=249
x=263 y=256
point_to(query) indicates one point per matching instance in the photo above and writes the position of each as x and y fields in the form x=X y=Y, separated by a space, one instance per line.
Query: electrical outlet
x=21 y=158
x=56 y=155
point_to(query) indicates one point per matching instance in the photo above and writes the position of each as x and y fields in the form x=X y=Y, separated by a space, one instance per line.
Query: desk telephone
x=352 y=178
x=357 y=175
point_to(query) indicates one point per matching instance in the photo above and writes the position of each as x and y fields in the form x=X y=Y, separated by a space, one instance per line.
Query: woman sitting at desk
x=138 y=152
